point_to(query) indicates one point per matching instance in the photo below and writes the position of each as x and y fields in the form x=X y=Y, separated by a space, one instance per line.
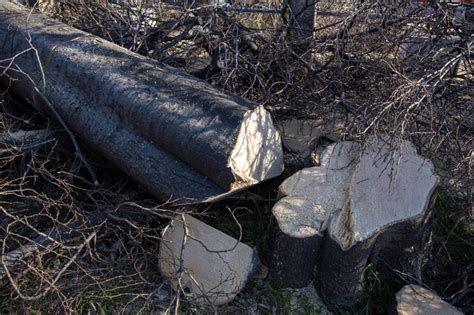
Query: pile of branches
x=68 y=243
x=402 y=69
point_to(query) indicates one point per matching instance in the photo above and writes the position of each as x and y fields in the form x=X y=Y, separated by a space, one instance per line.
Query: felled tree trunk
x=176 y=135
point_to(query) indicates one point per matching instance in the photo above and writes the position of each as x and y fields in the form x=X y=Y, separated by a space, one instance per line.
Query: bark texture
x=310 y=197
x=302 y=18
x=171 y=132
x=398 y=253
x=291 y=259
x=339 y=274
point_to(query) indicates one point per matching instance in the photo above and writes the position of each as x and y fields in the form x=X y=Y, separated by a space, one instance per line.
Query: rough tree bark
x=176 y=135
x=300 y=218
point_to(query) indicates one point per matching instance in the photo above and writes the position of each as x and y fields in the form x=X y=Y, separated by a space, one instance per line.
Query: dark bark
x=302 y=17
x=291 y=260
x=398 y=251
x=168 y=130
x=339 y=273
x=395 y=251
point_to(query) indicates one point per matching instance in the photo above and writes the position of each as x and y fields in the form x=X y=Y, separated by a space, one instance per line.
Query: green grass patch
x=379 y=296
x=287 y=301
x=95 y=305
x=453 y=229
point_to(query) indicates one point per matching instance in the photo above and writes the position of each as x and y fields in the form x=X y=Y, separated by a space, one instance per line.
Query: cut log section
x=390 y=191
x=415 y=300
x=24 y=139
x=300 y=137
x=174 y=134
x=311 y=197
x=205 y=264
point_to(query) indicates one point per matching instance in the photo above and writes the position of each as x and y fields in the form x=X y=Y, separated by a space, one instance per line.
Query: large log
x=176 y=135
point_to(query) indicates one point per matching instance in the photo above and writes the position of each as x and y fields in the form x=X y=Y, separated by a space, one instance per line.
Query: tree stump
x=385 y=216
x=310 y=197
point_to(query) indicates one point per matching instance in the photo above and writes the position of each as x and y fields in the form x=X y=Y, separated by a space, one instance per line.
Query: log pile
x=176 y=135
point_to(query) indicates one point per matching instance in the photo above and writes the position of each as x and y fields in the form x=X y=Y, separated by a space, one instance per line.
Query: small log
x=390 y=191
x=311 y=197
x=24 y=138
x=205 y=264
x=415 y=300
x=176 y=135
